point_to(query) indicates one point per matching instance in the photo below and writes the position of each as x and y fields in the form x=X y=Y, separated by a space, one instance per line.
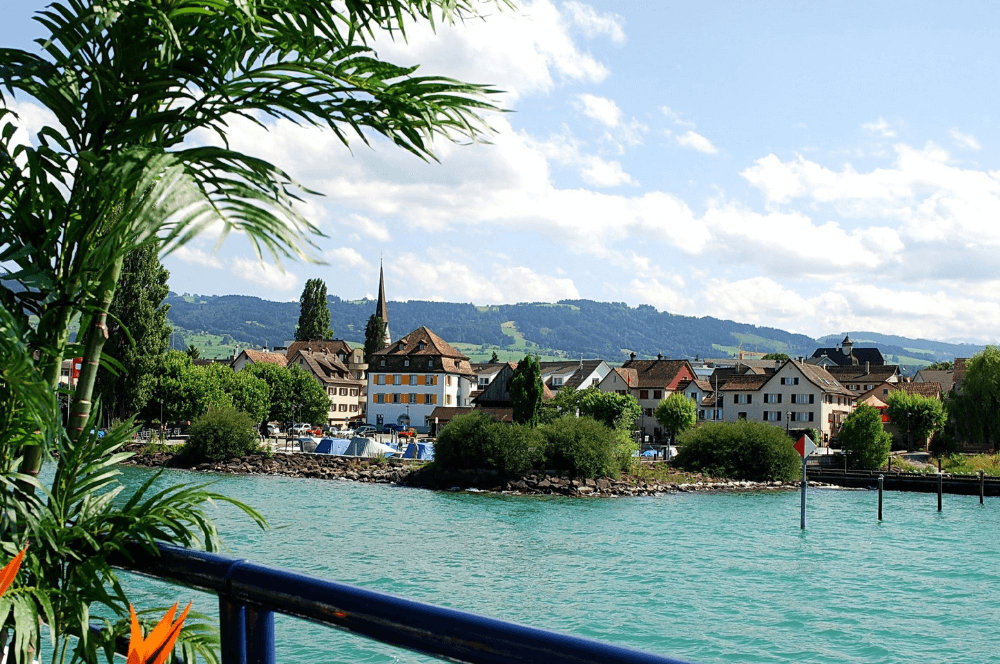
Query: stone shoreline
x=322 y=466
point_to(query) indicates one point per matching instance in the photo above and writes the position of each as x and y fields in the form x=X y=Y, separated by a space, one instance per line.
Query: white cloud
x=345 y=257
x=674 y=298
x=601 y=173
x=268 y=275
x=675 y=117
x=697 y=142
x=967 y=141
x=369 y=227
x=602 y=109
x=593 y=24
x=189 y=254
x=880 y=128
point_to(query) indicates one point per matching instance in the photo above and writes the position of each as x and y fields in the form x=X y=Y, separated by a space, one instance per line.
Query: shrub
x=739 y=450
x=221 y=433
x=476 y=440
x=582 y=446
x=462 y=442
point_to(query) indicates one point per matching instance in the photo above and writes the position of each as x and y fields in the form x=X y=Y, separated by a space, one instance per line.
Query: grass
x=659 y=472
x=961 y=464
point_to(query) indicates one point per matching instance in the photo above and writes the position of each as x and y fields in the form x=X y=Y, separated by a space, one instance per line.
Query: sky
x=816 y=167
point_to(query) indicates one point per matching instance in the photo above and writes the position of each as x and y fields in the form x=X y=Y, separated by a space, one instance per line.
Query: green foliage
x=863 y=436
x=742 y=450
x=615 y=411
x=193 y=352
x=374 y=336
x=476 y=440
x=314 y=314
x=676 y=414
x=941 y=366
x=220 y=434
x=971 y=465
x=975 y=411
x=582 y=446
x=775 y=356
x=914 y=413
x=315 y=403
x=247 y=392
x=138 y=333
x=526 y=391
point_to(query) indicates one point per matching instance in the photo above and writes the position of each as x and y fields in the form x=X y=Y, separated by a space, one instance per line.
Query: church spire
x=380 y=309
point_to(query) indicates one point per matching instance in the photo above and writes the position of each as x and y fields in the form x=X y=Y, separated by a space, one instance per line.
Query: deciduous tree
x=676 y=414
x=915 y=414
x=975 y=410
x=314 y=312
x=864 y=438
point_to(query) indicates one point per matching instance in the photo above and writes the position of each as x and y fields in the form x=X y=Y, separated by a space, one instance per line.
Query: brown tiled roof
x=325 y=366
x=821 y=378
x=657 y=373
x=630 y=376
x=421 y=342
x=264 y=357
x=946 y=378
x=333 y=346
x=700 y=383
x=744 y=383
x=857 y=374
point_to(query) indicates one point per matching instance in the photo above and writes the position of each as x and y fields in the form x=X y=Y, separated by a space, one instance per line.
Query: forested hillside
x=575 y=327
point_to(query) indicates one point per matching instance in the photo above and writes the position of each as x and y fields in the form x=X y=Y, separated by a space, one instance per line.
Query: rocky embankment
x=321 y=466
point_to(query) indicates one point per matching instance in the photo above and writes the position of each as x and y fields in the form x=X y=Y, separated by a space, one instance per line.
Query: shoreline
x=402 y=473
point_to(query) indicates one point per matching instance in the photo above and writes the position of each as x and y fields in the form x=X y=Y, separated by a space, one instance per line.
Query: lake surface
x=706 y=578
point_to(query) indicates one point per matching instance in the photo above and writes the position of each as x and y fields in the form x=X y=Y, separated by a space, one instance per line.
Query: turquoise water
x=707 y=578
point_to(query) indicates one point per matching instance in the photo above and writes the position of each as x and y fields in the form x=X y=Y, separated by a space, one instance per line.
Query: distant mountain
x=609 y=330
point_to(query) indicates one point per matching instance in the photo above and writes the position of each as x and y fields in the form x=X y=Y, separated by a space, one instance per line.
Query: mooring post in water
x=940 y=489
x=804 y=446
x=881 y=480
x=982 y=474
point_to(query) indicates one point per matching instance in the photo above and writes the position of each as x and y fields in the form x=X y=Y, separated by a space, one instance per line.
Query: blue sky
x=818 y=167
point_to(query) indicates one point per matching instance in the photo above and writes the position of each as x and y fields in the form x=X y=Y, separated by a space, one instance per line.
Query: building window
x=406 y=363
x=397 y=379
x=413 y=397
x=790 y=380
x=343 y=408
x=395 y=397
x=354 y=407
x=413 y=379
x=383 y=362
x=643 y=394
x=380 y=379
x=649 y=412
x=379 y=398
x=557 y=381
x=657 y=394
x=447 y=399
x=343 y=391
x=354 y=391
x=447 y=380
x=430 y=364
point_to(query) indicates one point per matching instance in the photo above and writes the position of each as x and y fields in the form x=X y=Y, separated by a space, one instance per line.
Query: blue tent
x=419 y=451
x=332 y=446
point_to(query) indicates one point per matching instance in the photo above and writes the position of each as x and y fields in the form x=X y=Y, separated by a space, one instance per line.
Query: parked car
x=365 y=430
x=301 y=429
x=407 y=432
x=390 y=427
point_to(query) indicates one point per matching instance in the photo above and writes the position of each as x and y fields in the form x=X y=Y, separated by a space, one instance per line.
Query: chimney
x=868 y=367
x=659 y=356
x=631 y=357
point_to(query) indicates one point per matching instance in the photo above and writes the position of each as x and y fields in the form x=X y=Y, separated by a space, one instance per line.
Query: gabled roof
x=629 y=375
x=820 y=377
x=657 y=373
x=744 y=383
x=858 y=374
x=699 y=383
x=584 y=369
x=856 y=356
x=325 y=366
x=946 y=378
x=332 y=346
x=422 y=342
x=264 y=357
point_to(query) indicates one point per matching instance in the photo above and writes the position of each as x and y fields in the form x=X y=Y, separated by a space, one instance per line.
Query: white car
x=300 y=429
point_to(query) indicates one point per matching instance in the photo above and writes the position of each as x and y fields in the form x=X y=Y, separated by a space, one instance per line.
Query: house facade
x=650 y=382
x=248 y=357
x=797 y=395
x=416 y=374
x=345 y=391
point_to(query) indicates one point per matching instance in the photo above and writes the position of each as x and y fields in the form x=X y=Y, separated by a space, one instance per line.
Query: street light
x=788 y=418
x=908 y=432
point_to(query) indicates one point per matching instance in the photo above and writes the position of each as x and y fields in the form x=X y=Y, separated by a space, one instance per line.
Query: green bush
x=863 y=436
x=476 y=440
x=739 y=450
x=582 y=446
x=222 y=433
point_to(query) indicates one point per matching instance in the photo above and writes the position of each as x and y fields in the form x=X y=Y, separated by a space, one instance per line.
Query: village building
x=650 y=382
x=412 y=376
x=248 y=356
x=845 y=354
x=345 y=391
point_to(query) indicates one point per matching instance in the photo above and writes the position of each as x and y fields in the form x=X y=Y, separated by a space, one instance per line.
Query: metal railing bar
x=433 y=630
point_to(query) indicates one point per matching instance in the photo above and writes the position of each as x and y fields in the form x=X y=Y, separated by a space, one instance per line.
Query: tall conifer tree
x=314 y=312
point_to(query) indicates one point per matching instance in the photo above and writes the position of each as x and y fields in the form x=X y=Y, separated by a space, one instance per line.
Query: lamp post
x=162 y=436
x=788 y=418
x=908 y=432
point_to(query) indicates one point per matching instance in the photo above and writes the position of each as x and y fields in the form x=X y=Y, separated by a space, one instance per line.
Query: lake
x=706 y=578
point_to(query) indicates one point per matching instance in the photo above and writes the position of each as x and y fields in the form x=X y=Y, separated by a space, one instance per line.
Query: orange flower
x=9 y=571
x=156 y=647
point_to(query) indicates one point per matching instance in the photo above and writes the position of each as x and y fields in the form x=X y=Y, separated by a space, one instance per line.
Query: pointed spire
x=380 y=307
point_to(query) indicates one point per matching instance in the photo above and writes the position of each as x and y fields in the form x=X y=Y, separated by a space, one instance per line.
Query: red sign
x=804 y=446
x=77 y=365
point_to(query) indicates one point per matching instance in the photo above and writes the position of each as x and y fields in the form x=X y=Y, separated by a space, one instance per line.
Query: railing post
x=233 y=631
x=260 y=630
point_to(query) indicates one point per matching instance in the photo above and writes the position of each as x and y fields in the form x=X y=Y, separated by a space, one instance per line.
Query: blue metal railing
x=250 y=594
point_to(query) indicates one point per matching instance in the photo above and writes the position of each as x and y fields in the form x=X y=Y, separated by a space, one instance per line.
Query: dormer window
x=383 y=362
x=406 y=363
x=421 y=346
x=430 y=364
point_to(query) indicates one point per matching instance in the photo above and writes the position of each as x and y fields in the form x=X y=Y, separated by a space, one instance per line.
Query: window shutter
x=810 y=416
x=812 y=398
x=749 y=398
x=779 y=397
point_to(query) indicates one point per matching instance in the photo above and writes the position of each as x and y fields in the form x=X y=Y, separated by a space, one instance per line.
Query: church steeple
x=380 y=309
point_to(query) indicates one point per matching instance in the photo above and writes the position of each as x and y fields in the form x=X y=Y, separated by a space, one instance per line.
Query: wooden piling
x=982 y=481
x=940 y=489
x=881 y=481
